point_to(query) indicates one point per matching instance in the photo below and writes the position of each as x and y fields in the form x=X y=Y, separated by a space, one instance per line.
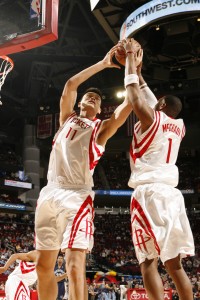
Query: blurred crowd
x=113 y=250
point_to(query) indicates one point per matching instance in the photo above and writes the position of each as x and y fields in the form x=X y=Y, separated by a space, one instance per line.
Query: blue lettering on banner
x=12 y=206
x=155 y=10
x=129 y=192
x=114 y=192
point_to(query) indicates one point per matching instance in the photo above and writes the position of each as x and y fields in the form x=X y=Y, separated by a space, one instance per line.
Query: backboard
x=26 y=24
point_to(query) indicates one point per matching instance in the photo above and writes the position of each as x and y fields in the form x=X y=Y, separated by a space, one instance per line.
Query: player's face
x=60 y=259
x=92 y=100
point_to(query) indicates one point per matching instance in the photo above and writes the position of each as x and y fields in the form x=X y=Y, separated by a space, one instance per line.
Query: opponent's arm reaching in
x=29 y=256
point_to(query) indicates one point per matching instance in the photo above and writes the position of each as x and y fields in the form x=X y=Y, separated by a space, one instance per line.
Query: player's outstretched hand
x=108 y=59
x=138 y=60
x=125 y=46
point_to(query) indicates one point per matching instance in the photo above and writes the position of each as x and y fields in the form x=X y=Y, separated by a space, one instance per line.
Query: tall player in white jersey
x=23 y=276
x=160 y=227
x=64 y=213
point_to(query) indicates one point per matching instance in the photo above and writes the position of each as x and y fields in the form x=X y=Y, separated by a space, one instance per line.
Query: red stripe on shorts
x=21 y=291
x=79 y=216
x=135 y=205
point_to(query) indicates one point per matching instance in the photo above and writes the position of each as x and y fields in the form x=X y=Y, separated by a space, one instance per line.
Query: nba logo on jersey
x=35 y=9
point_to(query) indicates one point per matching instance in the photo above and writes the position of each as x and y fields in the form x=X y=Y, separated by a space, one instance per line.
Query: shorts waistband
x=69 y=186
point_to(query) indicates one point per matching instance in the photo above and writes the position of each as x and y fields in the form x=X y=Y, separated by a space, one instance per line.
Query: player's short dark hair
x=174 y=105
x=94 y=90
x=60 y=255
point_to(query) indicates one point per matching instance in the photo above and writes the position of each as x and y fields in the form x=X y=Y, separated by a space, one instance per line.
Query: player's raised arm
x=145 y=90
x=142 y=110
x=110 y=126
x=29 y=256
x=119 y=116
x=69 y=94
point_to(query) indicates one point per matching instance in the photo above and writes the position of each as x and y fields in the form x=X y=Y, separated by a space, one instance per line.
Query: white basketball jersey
x=153 y=154
x=75 y=152
x=26 y=272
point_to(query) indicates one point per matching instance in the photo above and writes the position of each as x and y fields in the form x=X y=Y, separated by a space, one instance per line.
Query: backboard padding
x=31 y=39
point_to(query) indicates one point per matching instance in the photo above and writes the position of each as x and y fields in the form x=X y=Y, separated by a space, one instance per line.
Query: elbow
x=69 y=84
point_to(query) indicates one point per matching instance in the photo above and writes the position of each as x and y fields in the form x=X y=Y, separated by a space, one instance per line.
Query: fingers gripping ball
x=120 y=54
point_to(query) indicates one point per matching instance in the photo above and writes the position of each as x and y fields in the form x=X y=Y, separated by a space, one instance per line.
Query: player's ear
x=162 y=104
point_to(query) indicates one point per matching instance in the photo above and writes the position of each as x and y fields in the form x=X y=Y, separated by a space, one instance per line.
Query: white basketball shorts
x=160 y=227
x=16 y=289
x=64 y=219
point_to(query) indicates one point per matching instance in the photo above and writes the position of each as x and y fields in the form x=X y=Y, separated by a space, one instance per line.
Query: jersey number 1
x=169 y=150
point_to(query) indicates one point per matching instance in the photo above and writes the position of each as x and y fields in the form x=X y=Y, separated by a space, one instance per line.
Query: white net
x=6 y=65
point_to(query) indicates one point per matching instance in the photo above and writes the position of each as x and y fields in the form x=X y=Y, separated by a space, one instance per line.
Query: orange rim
x=8 y=59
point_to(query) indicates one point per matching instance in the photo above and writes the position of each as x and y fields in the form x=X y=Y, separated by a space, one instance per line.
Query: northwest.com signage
x=155 y=10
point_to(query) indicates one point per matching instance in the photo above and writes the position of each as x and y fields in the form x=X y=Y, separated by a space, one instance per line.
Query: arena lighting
x=153 y=11
x=120 y=94
x=157 y=27
x=93 y=3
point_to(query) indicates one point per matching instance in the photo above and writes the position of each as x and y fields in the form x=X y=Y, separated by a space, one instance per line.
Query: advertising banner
x=156 y=10
x=139 y=294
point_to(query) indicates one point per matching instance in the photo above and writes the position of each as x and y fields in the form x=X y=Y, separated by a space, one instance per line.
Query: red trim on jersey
x=61 y=127
x=135 y=204
x=134 y=155
x=79 y=216
x=183 y=132
x=137 y=127
x=93 y=147
x=137 y=145
x=26 y=267
x=21 y=289
x=70 y=117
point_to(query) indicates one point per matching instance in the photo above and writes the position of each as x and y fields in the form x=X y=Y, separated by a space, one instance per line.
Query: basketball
x=120 y=54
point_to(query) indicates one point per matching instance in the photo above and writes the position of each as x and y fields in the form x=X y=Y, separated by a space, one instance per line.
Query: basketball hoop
x=6 y=65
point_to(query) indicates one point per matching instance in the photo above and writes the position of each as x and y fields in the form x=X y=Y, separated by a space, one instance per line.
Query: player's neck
x=88 y=115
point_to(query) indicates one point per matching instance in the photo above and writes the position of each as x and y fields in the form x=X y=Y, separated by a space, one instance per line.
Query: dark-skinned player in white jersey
x=160 y=227
x=64 y=213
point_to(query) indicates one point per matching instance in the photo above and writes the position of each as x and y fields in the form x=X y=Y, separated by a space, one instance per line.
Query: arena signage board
x=139 y=294
x=19 y=184
x=156 y=10
x=114 y=192
x=128 y=192
x=12 y=206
